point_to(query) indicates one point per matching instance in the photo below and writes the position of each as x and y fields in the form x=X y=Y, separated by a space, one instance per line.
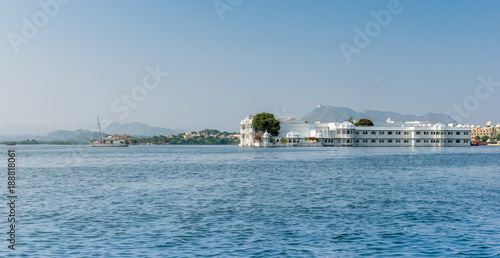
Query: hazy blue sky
x=263 y=56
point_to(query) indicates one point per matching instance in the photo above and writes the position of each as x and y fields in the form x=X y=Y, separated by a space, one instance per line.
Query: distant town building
x=382 y=134
x=488 y=130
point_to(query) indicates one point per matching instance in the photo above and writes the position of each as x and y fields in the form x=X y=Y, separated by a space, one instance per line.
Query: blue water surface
x=177 y=201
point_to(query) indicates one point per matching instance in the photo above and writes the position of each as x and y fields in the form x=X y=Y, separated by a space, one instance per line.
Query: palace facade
x=384 y=134
x=488 y=130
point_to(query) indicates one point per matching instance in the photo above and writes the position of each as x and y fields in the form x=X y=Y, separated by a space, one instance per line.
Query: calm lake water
x=168 y=201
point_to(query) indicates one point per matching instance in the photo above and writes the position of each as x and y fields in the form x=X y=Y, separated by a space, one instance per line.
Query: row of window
x=383 y=132
x=443 y=133
x=288 y=141
x=383 y=141
x=417 y=141
x=327 y=141
x=345 y=132
x=408 y=133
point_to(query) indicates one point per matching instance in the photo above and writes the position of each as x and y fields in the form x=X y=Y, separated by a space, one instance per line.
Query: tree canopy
x=208 y=137
x=364 y=122
x=485 y=138
x=266 y=122
x=209 y=131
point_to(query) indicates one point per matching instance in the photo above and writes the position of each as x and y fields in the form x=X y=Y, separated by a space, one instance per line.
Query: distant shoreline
x=203 y=137
x=83 y=144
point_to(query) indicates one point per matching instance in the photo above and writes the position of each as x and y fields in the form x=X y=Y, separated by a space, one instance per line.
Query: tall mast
x=99 y=125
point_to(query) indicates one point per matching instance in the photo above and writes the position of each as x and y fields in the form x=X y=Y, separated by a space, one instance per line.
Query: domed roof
x=489 y=123
x=293 y=134
x=346 y=124
x=266 y=135
x=247 y=120
x=439 y=126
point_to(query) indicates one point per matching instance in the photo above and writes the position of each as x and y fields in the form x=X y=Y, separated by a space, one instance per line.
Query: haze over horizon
x=193 y=65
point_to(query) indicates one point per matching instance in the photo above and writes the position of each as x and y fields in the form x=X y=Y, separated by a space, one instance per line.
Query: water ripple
x=152 y=201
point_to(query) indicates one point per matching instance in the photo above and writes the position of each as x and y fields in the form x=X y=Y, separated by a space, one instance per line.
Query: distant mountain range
x=77 y=136
x=71 y=136
x=338 y=114
x=139 y=130
x=81 y=136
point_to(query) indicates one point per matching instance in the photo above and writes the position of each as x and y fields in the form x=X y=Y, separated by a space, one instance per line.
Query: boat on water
x=10 y=144
x=109 y=141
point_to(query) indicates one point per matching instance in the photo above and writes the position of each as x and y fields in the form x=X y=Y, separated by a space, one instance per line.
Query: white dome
x=498 y=125
x=439 y=126
x=247 y=120
x=266 y=135
x=293 y=134
x=489 y=123
x=346 y=124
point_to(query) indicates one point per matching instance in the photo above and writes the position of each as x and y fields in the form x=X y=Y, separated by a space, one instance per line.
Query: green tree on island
x=266 y=122
x=485 y=138
x=498 y=137
x=364 y=122
x=477 y=138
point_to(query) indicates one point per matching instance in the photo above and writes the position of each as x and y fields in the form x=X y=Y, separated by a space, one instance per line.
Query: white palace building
x=385 y=134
